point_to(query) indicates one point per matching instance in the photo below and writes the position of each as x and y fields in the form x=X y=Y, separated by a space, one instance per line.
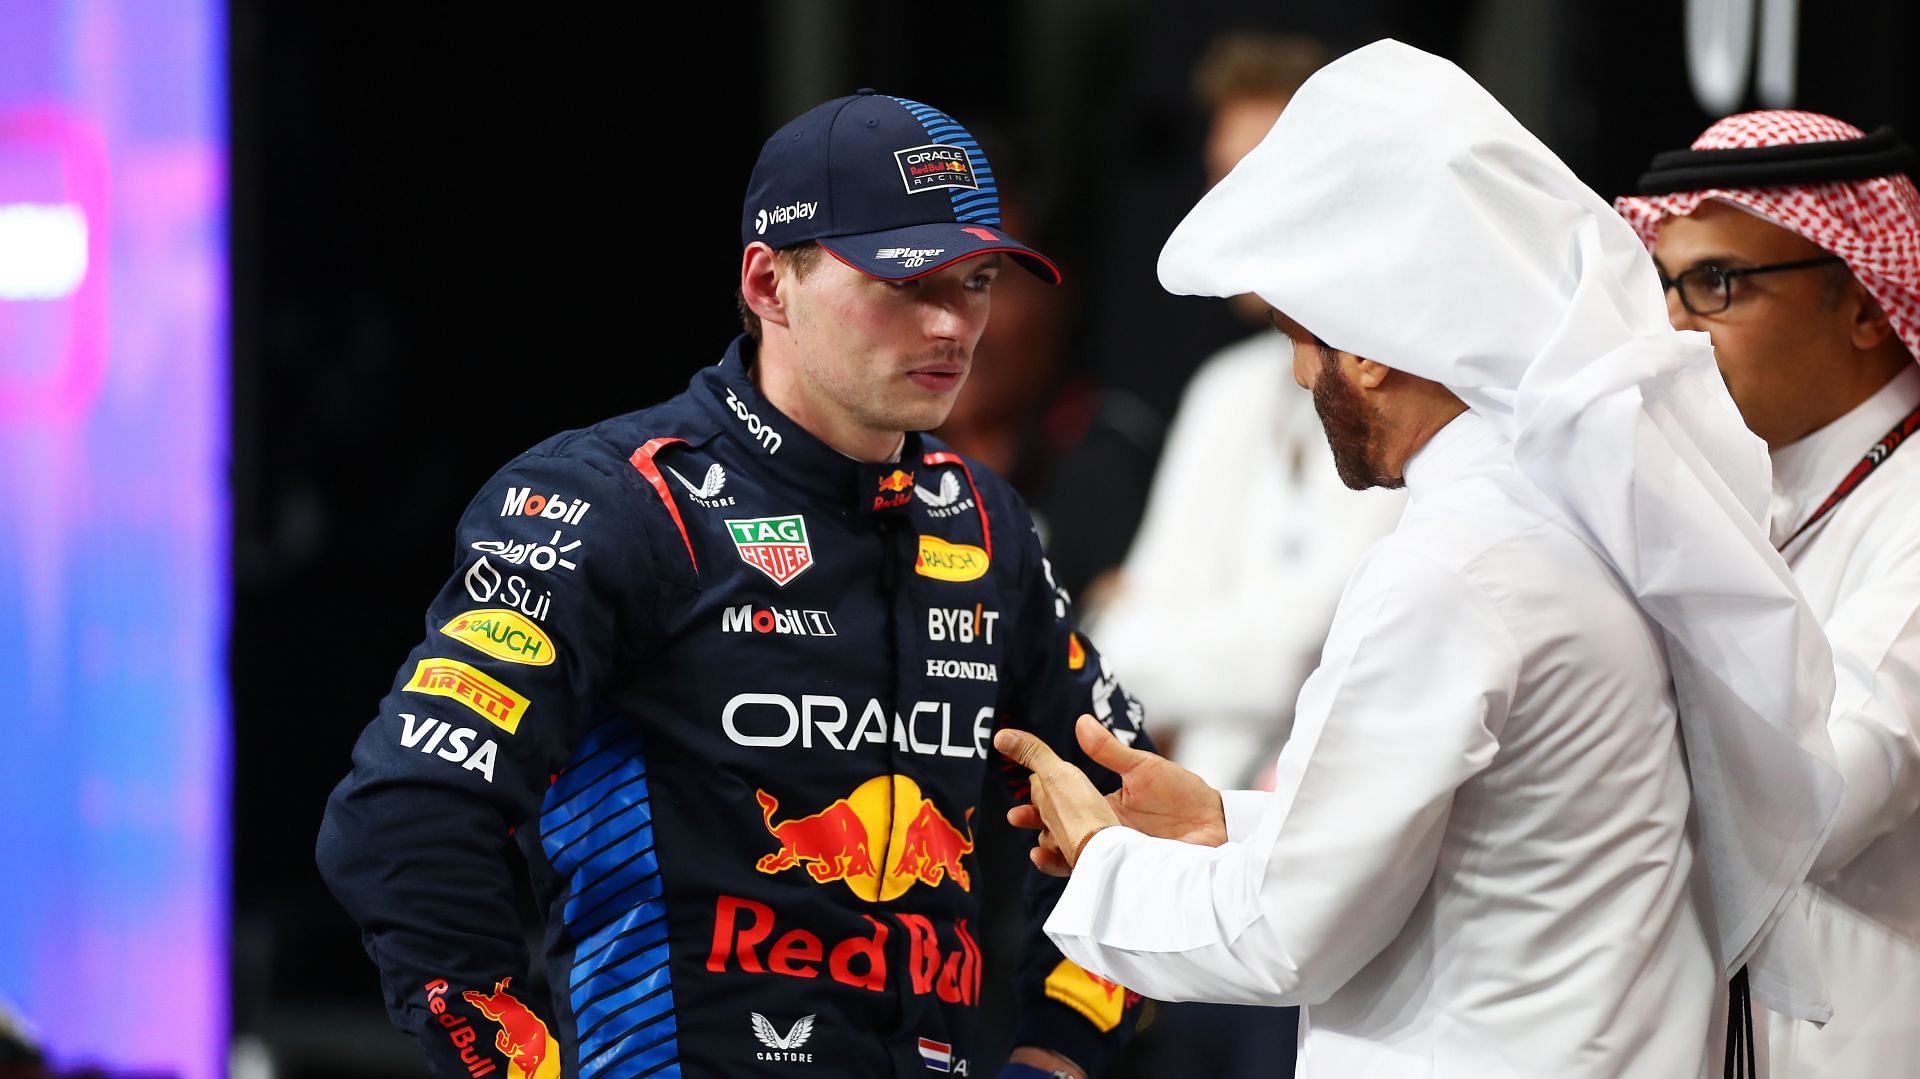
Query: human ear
x=760 y=283
x=1869 y=325
x=1369 y=373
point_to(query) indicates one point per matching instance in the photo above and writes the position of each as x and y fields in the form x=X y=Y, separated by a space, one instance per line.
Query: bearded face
x=1349 y=424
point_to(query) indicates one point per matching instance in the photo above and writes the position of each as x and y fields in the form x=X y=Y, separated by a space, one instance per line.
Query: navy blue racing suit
x=733 y=695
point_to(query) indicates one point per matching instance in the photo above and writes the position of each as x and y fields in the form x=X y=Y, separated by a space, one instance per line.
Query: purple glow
x=74 y=166
x=114 y=774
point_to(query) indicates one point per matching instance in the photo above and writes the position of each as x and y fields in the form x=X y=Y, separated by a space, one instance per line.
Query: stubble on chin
x=1345 y=417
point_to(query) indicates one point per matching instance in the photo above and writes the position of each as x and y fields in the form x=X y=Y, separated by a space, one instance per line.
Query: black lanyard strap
x=1875 y=457
x=1740 y=1063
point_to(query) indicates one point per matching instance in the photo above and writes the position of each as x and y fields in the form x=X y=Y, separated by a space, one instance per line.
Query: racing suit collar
x=790 y=452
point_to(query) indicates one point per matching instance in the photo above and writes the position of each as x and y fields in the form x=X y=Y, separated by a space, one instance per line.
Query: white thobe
x=1860 y=570
x=1249 y=537
x=1476 y=862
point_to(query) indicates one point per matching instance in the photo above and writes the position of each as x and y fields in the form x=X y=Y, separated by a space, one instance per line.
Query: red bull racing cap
x=894 y=188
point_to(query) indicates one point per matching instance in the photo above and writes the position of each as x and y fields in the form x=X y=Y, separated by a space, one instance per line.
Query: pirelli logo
x=451 y=678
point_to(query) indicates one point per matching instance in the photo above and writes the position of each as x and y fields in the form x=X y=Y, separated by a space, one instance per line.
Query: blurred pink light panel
x=114 y=757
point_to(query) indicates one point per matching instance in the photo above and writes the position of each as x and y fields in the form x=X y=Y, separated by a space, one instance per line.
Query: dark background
x=458 y=230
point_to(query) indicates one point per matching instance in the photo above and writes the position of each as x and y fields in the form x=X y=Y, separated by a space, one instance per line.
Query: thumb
x=1109 y=752
x=1024 y=749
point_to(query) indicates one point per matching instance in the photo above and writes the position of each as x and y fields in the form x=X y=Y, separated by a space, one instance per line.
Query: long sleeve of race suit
x=551 y=564
x=1057 y=677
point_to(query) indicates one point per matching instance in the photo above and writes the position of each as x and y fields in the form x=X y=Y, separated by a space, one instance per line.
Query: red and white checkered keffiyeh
x=1873 y=224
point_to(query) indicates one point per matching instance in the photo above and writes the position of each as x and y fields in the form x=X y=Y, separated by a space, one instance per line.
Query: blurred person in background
x=1793 y=240
x=1220 y=610
x=726 y=668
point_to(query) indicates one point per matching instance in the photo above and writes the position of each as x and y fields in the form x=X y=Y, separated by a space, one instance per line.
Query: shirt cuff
x=1074 y=912
x=1243 y=812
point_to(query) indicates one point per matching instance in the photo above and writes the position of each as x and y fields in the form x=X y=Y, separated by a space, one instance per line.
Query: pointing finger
x=1024 y=749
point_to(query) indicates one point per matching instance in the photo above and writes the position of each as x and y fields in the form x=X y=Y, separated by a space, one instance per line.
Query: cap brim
x=918 y=250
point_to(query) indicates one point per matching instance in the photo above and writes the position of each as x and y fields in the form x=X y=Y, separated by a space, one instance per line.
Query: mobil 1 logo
x=787 y=622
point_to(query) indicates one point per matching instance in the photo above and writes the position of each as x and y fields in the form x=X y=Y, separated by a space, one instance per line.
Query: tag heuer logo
x=776 y=546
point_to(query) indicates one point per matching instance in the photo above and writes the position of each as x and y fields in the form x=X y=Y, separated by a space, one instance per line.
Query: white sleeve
x=1243 y=812
x=1876 y=703
x=1406 y=706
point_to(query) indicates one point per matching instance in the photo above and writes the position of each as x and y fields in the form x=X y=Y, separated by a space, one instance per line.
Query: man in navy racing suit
x=728 y=669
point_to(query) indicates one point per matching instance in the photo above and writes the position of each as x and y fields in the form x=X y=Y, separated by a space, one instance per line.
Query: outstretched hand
x=1156 y=796
x=1067 y=807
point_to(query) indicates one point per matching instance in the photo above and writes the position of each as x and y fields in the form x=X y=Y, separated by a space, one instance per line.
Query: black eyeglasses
x=1708 y=290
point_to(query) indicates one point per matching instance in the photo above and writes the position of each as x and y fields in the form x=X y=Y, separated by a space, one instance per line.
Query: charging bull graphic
x=886 y=813
x=933 y=848
x=523 y=1036
x=832 y=842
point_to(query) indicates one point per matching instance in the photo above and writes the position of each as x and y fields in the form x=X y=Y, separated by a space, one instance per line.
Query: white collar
x=1806 y=471
x=1458 y=449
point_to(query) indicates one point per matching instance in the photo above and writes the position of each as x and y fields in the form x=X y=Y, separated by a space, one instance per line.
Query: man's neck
x=779 y=382
x=1439 y=411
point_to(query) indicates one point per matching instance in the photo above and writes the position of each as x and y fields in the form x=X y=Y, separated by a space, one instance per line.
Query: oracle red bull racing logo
x=886 y=813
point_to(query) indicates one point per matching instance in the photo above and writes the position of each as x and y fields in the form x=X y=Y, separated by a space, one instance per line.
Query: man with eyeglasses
x=1793 y=240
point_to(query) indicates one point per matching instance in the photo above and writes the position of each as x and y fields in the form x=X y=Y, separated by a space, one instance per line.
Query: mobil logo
x=525 y=502
x=886 y=813
x=523 y=1036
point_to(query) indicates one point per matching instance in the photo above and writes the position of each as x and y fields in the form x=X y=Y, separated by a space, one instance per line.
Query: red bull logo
x=523 y=1037
x=933 y=848
x=886 y=813
x=949 y=969
x=893 y=490
x=831 y=843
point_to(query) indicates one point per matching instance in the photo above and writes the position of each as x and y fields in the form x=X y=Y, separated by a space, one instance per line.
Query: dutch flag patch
x=938 y=1055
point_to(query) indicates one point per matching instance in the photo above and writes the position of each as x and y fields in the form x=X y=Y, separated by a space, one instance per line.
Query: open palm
x=1156 y=797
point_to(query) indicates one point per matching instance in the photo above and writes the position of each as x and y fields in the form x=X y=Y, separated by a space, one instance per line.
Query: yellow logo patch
x=1104 y=1003
x=502 y=634
x=945 y=561
x=497 y=704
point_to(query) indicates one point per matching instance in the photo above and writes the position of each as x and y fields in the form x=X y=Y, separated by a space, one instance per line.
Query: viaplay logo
x=838 y=842
x=783 y=215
